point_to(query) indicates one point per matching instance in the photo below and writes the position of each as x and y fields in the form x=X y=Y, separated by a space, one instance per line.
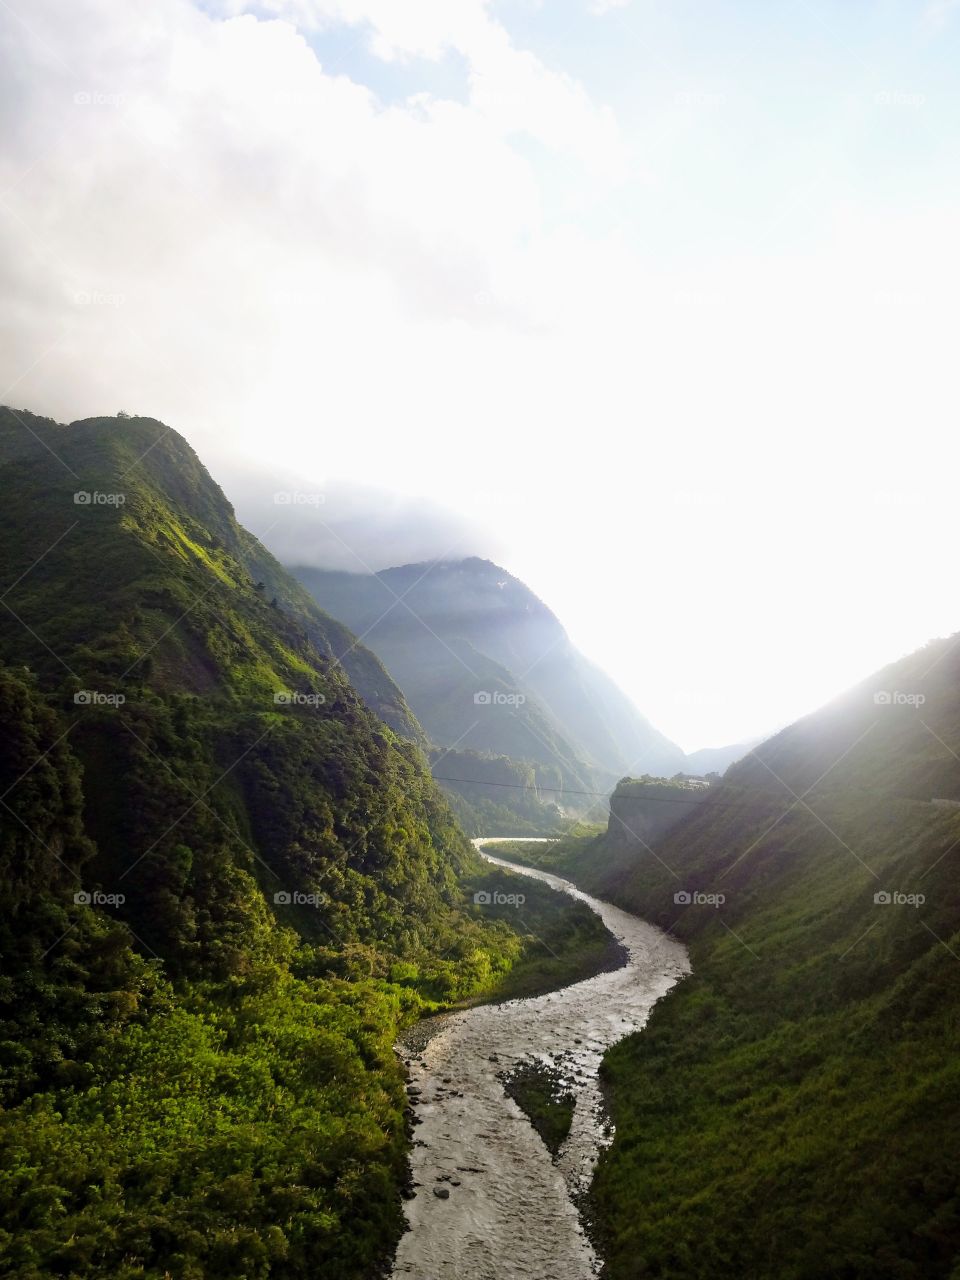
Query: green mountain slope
x=224 y=886
x=476 y=602
x=496 y=796
x=432 y=648
x=488 y=669
x=205 y=531
x=791 y=1109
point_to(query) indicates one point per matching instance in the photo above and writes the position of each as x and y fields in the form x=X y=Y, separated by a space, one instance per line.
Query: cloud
x=510 y=88
x=344 y=525
x=202 y=222
x=213 y=175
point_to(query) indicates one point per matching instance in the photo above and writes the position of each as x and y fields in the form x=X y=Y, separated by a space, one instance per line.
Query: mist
x=344 y=525
x=493 y=299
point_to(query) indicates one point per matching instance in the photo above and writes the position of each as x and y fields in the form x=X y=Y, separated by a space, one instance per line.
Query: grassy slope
x=566 y=941
x=791 y=1109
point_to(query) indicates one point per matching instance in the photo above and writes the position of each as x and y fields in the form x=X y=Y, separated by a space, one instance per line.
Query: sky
x=654 y=302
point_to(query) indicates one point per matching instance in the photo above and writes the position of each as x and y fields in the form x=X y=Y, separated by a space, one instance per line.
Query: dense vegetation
x=558 y=855
x=224 y=886
x=539 y=1090
x=565 y=941
x=791 y=1109
x=496 y=796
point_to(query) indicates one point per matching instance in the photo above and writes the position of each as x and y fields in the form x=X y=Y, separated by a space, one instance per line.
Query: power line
x=563 y=791
x=606 y=795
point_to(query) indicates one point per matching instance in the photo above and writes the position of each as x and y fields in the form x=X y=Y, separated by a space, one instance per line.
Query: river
x=506 y=1209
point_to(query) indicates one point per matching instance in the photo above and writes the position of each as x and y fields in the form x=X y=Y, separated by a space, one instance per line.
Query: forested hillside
x=224 y=885
x=791 y=1109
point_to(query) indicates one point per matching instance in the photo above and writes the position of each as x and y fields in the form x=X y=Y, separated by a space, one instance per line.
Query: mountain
x=340 y=524
x=791 y=1109
x=225 y=885
x=717 y=759
x=495 y=796
x=26 y=438
x=487 y=667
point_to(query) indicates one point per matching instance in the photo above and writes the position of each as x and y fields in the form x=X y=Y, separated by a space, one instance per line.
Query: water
x=511 y=1208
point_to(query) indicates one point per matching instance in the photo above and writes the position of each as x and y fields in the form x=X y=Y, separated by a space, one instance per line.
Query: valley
x=232 y=886
x=528 y=735
x=789 y=1108
x=479 y=663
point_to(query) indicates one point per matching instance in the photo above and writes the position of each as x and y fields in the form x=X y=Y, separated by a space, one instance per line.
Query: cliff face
x=641 y=813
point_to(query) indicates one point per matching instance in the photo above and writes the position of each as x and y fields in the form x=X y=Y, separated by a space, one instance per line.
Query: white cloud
x=285 y=268
x=508 y=87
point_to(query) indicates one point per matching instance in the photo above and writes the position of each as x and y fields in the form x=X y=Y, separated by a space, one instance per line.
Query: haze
x=651 y=302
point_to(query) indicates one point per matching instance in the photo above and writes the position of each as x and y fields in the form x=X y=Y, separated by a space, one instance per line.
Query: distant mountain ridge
x=718 y=759
x=487 y=666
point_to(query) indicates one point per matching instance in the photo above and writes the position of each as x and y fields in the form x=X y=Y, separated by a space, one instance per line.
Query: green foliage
x=196 y=1061
x=258 y=1137
x=563 y=941
x=137 y=567
x=493 y=795
x=791 y=1109
x=562 y=855
x=539 y=1091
